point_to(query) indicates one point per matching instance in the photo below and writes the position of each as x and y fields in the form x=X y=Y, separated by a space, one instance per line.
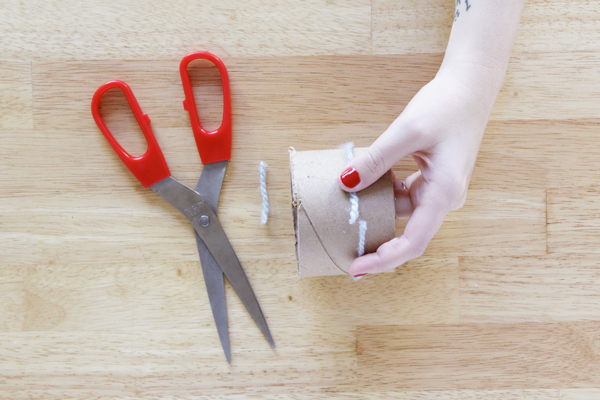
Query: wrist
x=482 y=81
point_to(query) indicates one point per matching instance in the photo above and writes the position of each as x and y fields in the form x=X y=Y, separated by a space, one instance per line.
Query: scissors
x=199 y=206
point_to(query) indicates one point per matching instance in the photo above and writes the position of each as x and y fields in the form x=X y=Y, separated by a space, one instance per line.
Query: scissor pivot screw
x=204 y=221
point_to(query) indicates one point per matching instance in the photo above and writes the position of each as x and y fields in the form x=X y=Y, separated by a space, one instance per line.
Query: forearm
x=481 y=40
x=441 y=128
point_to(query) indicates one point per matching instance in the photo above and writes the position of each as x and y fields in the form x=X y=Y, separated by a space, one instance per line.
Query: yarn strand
x=362 y=234
x=263 y=192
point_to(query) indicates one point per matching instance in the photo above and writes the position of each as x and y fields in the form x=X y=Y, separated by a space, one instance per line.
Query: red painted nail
x=350 y=178
x=359 y=275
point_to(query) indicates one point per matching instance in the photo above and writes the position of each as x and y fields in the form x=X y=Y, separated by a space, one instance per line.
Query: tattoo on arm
x=458 y=7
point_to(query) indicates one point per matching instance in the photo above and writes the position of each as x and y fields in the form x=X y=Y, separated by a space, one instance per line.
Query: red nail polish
x=350 y=178
x=359 y=275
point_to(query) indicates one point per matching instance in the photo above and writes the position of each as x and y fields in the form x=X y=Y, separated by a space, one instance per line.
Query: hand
x=441 y=128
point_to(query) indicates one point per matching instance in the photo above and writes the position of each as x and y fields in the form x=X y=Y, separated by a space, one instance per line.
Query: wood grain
x=514 y=224
x=553 y=77
x=62 y=297
x=548 y=27
x=573 y=224
x=16 y=98
x=158 y=30
x=266 y=92
x=130 y=363
x=293 y=394
x=333 y=84
x=579 y=394
x=532 y=289
x=478 y=356
x=411 y=27
x=524 y=155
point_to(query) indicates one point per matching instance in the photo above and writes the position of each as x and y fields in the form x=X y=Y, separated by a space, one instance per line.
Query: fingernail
x=350 y=178
x=359 y=275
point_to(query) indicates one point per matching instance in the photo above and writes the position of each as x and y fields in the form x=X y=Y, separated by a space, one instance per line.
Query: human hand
x=441 y=128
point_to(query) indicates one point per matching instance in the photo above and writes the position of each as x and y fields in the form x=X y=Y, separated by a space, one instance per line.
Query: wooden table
x=101 y=294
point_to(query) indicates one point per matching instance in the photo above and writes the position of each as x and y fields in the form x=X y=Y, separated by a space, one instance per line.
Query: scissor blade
x=209 y=187
x=217 y=242
x=195 y=208
x=210 y=182
x=213 y=278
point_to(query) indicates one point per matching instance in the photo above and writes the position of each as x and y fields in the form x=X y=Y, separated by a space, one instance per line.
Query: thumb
x=366 y=168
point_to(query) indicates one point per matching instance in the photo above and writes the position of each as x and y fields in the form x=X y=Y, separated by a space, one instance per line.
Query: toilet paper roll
x=326 y=242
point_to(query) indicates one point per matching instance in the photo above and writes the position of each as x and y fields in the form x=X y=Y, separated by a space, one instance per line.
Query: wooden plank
x=549 y=86
x=127 y=363
x=293 y=394
x=533 y=154
x=266 y=92
x=67 y=364
x=423 y=292
x=573 y=221
x=158 y=30
x=113 y=297
x=558 y=27
x=153 y=321
x=424 y=26
x=479 y=356
x=495 y=222
x=579 y=394
x=12 y=301
x=529 y=289
x=342 y=89
x=538 y=154
x=459 y=395
x=75 y=298
x=141 y=320
x=15 y=95
x=411 y=27
x=15 y=12
x=312 y=365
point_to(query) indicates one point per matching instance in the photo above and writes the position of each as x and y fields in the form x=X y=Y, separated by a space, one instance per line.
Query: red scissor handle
x=149 y=168
x=214 y=145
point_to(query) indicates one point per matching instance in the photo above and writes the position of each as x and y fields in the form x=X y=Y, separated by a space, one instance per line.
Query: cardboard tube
x=326 y=243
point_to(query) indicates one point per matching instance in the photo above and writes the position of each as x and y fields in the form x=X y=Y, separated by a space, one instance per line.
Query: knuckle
x=396 y=245
x=375 y=161
x=416 y=129
x=408 y=249
x=390 y=254
x=398 y=251
x=456 y=187
x=418 y=249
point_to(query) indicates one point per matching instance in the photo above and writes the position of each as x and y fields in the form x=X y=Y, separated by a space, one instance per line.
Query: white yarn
x=362 y=233
x=348 y=149
x=263 y=192
x=353 y=208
